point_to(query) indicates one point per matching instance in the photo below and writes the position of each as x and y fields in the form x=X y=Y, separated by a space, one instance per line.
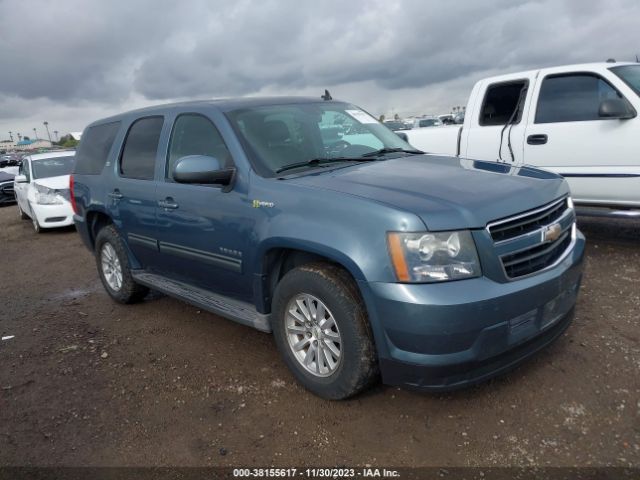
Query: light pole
x=19 y=137
x=35 y=133
x=11 y=135
x=55 y=132
x=46 y=126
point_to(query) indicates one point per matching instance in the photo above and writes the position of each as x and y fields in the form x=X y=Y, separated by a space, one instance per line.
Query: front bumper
x=451 y=335
x=53 y=216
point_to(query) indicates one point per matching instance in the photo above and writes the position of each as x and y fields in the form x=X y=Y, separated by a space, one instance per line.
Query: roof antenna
x=326 y=96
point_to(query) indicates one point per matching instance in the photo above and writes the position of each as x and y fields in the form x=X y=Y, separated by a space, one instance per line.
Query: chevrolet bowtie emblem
x=551 y=233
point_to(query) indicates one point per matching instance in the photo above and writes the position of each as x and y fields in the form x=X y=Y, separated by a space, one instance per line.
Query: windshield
x=277 y=136
x=630 y=74
x=52 y=167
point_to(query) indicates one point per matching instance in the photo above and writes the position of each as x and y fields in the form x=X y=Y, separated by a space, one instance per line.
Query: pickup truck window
x=500 y=101
x=276 y=136
x=572 y=98
x=630 y=74
x=138 y=157
x=194 y=134
x=94 y=148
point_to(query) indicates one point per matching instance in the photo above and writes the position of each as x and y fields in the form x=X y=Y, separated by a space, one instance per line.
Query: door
x=22 y=189
x=203 y=230
x=565 y=134
x=495 y=131
x=132 y=200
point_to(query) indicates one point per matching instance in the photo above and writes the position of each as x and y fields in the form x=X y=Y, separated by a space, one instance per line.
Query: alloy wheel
x=313 y=335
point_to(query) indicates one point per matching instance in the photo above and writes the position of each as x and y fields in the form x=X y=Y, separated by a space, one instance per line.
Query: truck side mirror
x=615 y=108
x=201 y=169
x=20 y=179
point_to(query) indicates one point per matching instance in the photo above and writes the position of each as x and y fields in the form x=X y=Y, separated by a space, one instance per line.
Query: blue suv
x=310 y=219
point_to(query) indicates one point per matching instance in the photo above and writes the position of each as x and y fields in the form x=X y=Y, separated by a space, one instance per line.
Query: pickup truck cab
x=360 y=254
x=580 y=121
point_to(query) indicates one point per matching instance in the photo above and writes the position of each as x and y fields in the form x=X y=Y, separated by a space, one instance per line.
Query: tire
x=110 y=248
x=356 y=367
x=23 y=216
x=34 y=221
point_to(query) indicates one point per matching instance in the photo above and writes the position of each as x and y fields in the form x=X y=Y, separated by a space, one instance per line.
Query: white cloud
x=72 y=62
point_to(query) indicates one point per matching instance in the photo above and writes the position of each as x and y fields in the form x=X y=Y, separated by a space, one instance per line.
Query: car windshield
x=630 y=74
x=52 y=167
x=317 y=135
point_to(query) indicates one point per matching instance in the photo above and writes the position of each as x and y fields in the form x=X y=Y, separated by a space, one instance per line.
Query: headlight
x=433 y=257
x=47 y=196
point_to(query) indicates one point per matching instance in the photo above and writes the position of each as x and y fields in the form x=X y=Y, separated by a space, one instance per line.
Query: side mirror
x=403 y=136
x=615 y=108
x=201 y=169
x=20 y=179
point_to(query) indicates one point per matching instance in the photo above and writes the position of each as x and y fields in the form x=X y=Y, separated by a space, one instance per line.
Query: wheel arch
x=98 y=219
x=275 y=259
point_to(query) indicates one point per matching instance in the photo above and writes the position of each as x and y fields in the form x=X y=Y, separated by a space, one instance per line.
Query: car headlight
x=433 y=257
x=47 y=196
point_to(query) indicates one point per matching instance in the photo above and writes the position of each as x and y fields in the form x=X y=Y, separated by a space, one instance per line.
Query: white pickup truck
x=580 y=121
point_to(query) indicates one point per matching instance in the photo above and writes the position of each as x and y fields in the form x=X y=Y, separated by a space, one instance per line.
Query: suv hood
x=447 y=193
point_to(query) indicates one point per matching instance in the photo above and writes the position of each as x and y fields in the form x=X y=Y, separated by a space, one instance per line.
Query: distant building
x=33 y=144
x=7 y=145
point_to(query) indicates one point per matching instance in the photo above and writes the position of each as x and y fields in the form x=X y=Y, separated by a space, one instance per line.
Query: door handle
x=538 y=139
x=116 y=195
x=168 y=204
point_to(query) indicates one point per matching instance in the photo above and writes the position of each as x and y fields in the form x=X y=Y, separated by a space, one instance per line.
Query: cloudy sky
x=71 y=62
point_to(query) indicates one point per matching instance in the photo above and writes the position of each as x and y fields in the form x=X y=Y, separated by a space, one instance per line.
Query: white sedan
x=42 y=189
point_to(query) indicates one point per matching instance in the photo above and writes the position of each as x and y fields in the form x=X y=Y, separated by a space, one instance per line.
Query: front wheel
x=113 y=266
x=34 y=221
x=321 y=329
x=21 y=214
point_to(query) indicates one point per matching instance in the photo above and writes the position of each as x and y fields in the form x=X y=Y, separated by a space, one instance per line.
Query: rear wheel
x=114 y=269
x=321 y=329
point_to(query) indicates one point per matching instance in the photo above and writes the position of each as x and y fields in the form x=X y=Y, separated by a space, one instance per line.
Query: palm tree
x=46 y=126
x=55 y=132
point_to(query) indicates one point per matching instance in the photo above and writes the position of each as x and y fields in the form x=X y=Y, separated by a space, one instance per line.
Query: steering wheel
x=337 y=149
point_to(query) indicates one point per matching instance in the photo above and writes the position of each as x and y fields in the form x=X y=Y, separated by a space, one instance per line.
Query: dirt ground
x=86 y=381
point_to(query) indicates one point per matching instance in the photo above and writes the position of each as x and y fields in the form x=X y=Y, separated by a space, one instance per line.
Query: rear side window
x=500 y=103
x=138 y=157
x=572 y=98
x=94 y=148
x=194 y=134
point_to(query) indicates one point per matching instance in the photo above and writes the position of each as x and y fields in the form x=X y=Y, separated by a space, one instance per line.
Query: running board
x=235 y=310
x=606 y=212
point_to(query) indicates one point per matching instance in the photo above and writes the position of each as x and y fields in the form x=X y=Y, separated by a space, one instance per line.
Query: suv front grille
x=533 y=241
x=537 y=258
x=527 y=223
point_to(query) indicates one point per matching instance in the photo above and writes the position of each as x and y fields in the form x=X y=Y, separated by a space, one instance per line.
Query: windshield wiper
x=320 y=161
x=384 y=151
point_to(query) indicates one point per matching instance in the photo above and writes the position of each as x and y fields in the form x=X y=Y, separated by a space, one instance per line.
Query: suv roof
x=222 y=104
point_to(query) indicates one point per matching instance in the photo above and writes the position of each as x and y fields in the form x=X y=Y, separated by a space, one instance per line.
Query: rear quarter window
x=94 y=148
x=140 y=148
